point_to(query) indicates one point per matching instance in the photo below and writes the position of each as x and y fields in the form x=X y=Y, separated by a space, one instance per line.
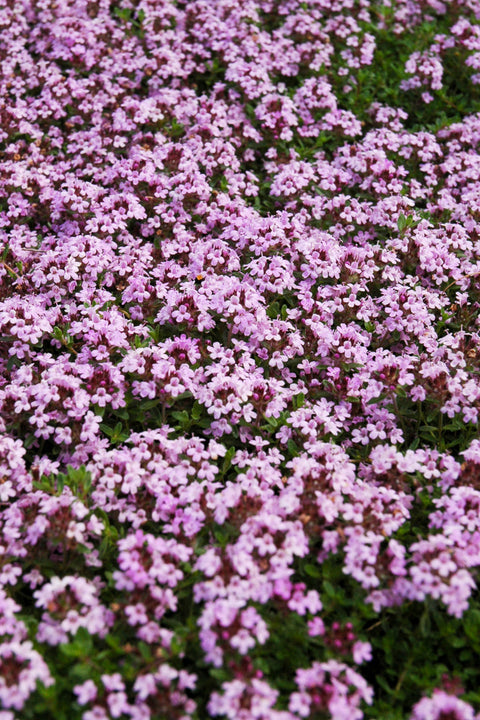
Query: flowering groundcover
x=240 y=357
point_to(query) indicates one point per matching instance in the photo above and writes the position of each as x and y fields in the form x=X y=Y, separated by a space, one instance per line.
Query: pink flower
x=86 y=692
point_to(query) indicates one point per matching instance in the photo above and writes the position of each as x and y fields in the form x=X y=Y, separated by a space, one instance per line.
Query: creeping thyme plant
x=239 y=359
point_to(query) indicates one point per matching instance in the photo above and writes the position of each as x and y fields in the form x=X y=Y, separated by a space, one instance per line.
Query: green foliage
x=130 y=18
x=443 y=646
x=405 y=223
x=78 y=480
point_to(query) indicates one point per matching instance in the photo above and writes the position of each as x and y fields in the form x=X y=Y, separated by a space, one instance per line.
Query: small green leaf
x=472 y=624
x=329 y=589
x=293 y=448
x=298 y=401
x=425 y=624
x=312 y=570
x=274 y=310
x=145 y=651
x=227 y=460
x=219 y=674
x=197 y=411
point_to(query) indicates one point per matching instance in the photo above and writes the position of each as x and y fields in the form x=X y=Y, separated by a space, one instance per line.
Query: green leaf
x=71 y=650
x=227 y=460
x=262 y=664
x=122 y=13
x=197 y=411
x=147 y=404
x=471 y=624
x=378 y=399
x=113 y=642
x=313 y=570
x=84 y=640
x=181 y=416
x=401 y=222
x=145 y=651
x=122 y=413
x=220 y=674
x=272 y=423
x=329 y=589
x=292 y=447
x=298 y=401
x=274 y=310
x=425 y=624
x=81 y=672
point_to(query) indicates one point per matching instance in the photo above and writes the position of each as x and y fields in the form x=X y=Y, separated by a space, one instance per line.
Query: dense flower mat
x=239 y=388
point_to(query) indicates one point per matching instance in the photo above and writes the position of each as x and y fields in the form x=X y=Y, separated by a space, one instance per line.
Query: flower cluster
x=239 y=354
